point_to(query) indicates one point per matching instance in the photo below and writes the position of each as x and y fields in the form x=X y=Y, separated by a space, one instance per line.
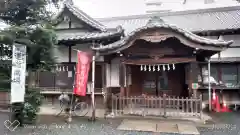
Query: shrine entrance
x=158 y=64
x=156 y=80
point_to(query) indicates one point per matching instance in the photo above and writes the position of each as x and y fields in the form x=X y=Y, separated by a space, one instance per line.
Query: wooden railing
x=157 y=106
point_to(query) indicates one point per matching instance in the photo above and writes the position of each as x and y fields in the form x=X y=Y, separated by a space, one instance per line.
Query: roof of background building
x=224 y=18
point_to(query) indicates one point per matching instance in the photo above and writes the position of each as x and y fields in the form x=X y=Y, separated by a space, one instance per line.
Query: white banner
x=18 y=73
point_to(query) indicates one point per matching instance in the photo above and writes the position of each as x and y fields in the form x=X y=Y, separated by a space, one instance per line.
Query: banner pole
x=93 y=118
x=209 y=86
x=71 y=103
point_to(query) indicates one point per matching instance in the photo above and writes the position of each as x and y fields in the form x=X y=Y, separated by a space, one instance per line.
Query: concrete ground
x=224 y=124
x=55 y=109
x=49 y=124
x=100 y=113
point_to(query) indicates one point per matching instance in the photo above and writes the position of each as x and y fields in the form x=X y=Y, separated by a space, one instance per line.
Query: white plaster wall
x=63 y=25
x=61 y=53
x=115 y=63
x=108 y=75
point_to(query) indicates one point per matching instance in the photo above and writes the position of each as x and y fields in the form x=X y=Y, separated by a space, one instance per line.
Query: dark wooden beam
x=159 y=61
x=69 y=53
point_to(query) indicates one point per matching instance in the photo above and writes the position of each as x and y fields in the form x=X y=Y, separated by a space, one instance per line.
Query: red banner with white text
x=81 y=74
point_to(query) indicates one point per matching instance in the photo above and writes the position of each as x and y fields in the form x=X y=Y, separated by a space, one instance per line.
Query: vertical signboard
x=18 y=73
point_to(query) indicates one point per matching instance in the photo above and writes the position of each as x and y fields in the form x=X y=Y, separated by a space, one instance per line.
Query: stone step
x=161 y=127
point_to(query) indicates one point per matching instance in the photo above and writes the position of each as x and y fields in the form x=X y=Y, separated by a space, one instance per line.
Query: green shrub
x=33 y=101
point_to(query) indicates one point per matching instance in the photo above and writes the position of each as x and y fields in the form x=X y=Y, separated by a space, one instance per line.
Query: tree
x=30 y=24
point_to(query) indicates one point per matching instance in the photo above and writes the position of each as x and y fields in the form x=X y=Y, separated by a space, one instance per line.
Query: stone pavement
x=180 y=127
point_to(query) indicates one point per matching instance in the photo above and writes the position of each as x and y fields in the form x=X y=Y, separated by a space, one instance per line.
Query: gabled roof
x=82 y=16
x=101 y=32
x=156 y=23
x=214 y=19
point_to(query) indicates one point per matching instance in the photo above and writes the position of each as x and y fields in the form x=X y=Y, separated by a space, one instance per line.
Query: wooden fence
x=165 y=106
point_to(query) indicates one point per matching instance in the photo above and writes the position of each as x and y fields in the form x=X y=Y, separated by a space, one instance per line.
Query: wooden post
x=69 y=53
x=122 y=79
x=200 y=102
x=164 y=105
x=127 y=80
x=127 y=85
x=193 y=78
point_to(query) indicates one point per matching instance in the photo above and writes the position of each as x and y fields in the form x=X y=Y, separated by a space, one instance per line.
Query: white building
x=153 y=6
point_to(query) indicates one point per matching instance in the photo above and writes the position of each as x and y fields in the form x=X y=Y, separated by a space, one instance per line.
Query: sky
x=114 y=8
x=110 y=8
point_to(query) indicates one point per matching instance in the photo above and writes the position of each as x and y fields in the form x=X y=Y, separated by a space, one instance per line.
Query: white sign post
x=18 y=73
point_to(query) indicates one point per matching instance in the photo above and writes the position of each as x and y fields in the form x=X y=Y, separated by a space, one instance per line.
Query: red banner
x=81 y=76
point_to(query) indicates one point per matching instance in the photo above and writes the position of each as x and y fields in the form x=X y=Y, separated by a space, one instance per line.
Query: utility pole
x=209 y=86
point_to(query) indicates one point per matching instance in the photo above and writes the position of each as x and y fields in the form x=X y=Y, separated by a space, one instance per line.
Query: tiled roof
x=82 y=35
x=84 y=17
x=157 y=23
x=223 y=18
x=102 y=31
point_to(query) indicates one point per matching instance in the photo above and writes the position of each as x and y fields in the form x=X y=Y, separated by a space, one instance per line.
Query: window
x=214 y=73
x=155 y=79
x=149 y=83
x=229 y=75
x=226 y=73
